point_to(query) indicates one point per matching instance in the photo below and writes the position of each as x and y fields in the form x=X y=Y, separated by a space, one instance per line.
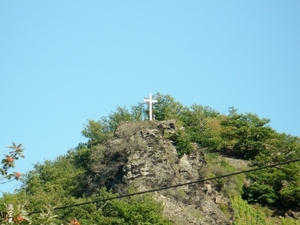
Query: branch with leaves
x=8 y=162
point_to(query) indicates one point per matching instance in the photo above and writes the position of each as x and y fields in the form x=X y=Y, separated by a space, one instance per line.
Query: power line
x=173 y=186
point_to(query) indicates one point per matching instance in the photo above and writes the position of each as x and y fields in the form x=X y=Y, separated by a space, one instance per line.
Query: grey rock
x=141 y=156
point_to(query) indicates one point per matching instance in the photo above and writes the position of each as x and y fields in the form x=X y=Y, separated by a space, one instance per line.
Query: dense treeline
x=239 y=135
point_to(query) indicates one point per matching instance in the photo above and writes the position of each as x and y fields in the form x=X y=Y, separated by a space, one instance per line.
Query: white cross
x=150 y=100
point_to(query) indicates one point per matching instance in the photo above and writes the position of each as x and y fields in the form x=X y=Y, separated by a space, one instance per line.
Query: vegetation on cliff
x=238 y=135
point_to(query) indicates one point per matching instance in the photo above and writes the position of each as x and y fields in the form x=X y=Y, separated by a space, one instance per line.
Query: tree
x=9 y=162
x=6 y=176
x=244 y=134
x=139 y=112
x=202 y=124
x=121 y=115
x=97 y=131
x=167 y=108
x=278 y=186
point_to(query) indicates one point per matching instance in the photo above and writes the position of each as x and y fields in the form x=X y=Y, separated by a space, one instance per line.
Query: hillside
x=140 y=157
x=125 y=154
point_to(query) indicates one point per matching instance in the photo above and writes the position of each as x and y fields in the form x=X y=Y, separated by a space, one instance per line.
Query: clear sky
x=63 y=62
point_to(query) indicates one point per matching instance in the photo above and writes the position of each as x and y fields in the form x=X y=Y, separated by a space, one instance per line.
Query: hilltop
x=126 y=153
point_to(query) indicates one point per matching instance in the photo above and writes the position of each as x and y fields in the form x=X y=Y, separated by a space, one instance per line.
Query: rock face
x=141 y=156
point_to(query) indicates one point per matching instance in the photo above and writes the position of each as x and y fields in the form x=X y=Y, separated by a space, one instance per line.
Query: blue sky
x=63 y=62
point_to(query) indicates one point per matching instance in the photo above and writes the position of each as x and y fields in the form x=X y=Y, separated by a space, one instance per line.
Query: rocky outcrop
x=140 y=156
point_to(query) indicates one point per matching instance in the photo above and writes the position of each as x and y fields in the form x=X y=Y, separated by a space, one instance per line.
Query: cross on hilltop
x=150 y=101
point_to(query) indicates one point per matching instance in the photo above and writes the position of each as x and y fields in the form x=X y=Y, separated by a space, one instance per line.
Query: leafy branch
x=8 y=162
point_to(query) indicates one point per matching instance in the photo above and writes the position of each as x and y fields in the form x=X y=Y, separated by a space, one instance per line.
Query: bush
x=244 y=214
x=182 y=143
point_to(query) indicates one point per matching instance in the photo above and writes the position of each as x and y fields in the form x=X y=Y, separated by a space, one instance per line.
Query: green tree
x=167 y=108
x=244 y=134
x=139 y=112
x=279 y=186
x=202 y=125
x=182 y=142
x=97 y=131
x=49 y=183
x=122 y=114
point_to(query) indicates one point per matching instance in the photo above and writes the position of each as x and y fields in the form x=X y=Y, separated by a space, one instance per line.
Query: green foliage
x=181 y=142
x=278 y=186
x=80 y=156
x=9 y=162
x=137 y=210
x=225 y=208
x=18 y=202
x=217 y=166
x=100 y=131
x=64 y=181
x=289 y=221
x=167 y=108
x=56 y=183
x=202 y=125
x=51 y=182
x=97 y=132
x=244 y=134
x=47 y=216
x=139 y=112
x=115 y=118
x=134 y=210
x=244 y=214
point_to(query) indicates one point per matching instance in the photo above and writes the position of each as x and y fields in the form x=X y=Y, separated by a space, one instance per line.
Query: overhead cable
x=173 y=186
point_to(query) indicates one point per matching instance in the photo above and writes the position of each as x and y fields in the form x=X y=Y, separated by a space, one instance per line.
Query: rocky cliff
x=141 y=156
